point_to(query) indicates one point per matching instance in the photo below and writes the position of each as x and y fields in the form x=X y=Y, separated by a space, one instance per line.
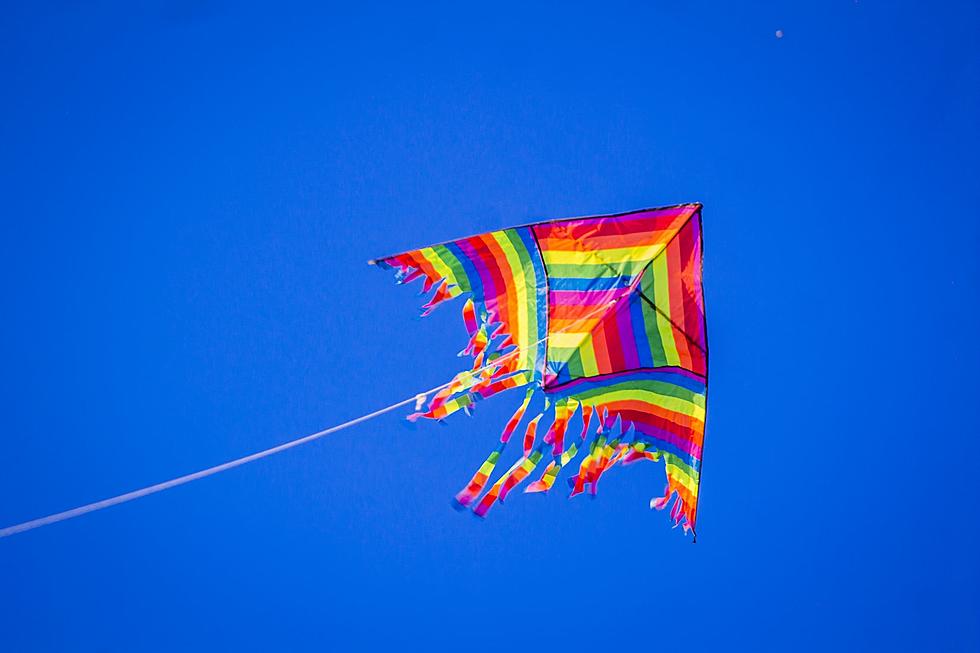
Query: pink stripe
x=588 y=298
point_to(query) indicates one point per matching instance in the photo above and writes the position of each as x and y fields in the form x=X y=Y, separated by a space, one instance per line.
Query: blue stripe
x=584 y=384
x=472 y=274
x=670 y=448
x=639 y=332
x=594 y=283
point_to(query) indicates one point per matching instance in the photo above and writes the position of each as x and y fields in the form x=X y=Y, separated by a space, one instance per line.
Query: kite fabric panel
x=600 y=316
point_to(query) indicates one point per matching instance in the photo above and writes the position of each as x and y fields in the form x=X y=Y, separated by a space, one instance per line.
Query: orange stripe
x=575 y=325
x=570 y=311
x=690 y=501
x=600 y=351
x=599 y=243
x=418 y=260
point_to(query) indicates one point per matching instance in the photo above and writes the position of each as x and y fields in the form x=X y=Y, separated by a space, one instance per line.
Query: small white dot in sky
x=779 y=33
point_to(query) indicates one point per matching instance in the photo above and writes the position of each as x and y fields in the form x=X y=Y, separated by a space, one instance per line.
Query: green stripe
x=643 y=387
x=671 y=460
x=458 y=272
x=594 y=270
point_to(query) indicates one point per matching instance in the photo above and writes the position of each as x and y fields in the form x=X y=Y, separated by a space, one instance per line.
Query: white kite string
x=210 y=471
x=180 y=480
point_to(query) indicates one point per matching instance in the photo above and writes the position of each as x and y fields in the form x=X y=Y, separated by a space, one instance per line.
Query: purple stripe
x=695 y=384
x=627 y=338
x=490 y=292
x=657 y=433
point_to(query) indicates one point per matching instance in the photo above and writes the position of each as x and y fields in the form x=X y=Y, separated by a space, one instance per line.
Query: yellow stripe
x=662 y=300
x=693 y=409
x=679 y=476
x=567 y=339
x=612 y=256
x=589 y=365
x=569 y=343
x=441 y=268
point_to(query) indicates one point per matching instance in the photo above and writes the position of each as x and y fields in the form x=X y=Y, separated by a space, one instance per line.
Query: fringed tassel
x=408 y=275
x=681 y=513
x=516 y=417
x=522 y=472
x=445 y=408
x=469 y=317
x=600 y=450
x=586 y=420
x=493 y=371
x=564 y=410
x=638 y=452
x=477 y=343
x=469 y=385
x=517 y=473
x=550 y=475
x=444 y=291
x=611 y=455
x=467 y=495
x=439 y=406
x=578 y=482
x=659 y=503
x=530 y=433
x=547 y=479
x=515 y=380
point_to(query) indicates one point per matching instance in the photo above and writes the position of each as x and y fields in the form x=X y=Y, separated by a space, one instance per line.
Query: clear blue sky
x=191 y=191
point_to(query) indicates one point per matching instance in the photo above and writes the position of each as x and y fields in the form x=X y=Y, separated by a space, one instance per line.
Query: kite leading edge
x=603 y=314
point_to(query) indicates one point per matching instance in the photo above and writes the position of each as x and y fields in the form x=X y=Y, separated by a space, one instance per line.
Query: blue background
x=191 y=191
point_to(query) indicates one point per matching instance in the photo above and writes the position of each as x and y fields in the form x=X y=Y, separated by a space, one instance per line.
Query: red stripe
x=640 y=228
x=614 y=342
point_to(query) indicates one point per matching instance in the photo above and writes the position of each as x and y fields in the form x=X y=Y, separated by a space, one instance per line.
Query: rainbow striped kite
x=603 y=314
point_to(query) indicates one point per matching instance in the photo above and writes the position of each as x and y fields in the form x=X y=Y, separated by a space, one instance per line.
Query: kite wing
x=605 y=313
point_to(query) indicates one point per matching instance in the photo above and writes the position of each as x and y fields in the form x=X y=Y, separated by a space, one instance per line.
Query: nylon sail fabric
x=602 y=318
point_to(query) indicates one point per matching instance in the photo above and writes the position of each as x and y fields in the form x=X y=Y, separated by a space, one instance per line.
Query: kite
x=603 y=314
